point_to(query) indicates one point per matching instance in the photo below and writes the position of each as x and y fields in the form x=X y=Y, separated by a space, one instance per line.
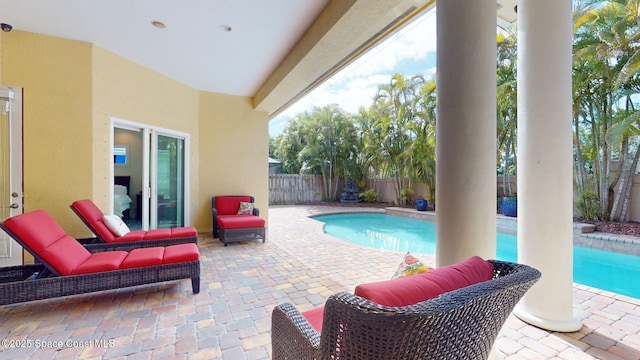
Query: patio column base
x=571 y=325
x=495 y=354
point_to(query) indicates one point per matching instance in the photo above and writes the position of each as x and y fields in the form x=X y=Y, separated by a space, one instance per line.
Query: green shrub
x=369 y=196
x=407 y=196
x=589 y=205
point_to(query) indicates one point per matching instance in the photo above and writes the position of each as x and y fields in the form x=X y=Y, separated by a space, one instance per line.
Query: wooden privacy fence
x=289 y=189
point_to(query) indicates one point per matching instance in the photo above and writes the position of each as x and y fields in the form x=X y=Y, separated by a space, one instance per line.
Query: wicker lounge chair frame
x=42 y=281
x=460 y=324
x=98 y=244
x=239 y=234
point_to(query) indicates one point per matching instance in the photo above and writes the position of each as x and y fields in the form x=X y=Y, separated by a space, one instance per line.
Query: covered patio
x=241 y=283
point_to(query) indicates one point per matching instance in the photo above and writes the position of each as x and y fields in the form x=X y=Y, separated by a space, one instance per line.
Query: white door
x=10 y=169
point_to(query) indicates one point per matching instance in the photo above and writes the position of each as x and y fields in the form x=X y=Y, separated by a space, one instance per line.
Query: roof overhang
x=344 y=30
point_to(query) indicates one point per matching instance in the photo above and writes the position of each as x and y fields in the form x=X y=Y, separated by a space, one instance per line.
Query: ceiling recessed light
x=158 y=24
x=225 y=27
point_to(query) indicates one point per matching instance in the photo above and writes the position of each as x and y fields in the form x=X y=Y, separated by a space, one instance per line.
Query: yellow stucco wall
x=55 y=75
x=234 y=148
x=128 y=91
x=71 y=91
x=1 y=36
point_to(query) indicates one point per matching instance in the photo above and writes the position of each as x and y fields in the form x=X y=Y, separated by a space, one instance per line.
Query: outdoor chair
x=126 y=240
x=235 y=218
x=64 y=267
x=457 y=324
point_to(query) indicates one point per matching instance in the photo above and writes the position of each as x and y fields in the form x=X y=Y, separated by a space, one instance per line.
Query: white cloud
x=356 y=84
x=415 y=41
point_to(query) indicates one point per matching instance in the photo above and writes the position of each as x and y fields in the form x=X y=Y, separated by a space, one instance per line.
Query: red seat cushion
x=143 y=257
x=240 y=221
x=134 y=235
x=102 y=261
x=88 y=210
x=229 y=205
x=156 y=234
x=314 y=317
x=428 y=285
x=47 y=240
x=186 y=231
x=180 y=253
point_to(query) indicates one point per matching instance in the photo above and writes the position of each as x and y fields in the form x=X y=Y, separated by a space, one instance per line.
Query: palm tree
x=607 y=42
x=423 y=148
x=328 y=146
x=507 y=104
x=290 y=142
x=395 y=106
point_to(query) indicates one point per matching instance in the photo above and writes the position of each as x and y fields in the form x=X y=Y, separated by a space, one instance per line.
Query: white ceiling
x=192 y=49
x=261 y=57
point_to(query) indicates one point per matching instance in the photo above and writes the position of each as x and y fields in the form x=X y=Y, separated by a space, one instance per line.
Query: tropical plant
x=507 y=105
x=369 y=196
x=329 y=147
x=395 y=105
x=606 y=63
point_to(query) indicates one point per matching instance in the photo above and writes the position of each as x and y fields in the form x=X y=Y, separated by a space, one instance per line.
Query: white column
x=545 y=187
x=466 y=130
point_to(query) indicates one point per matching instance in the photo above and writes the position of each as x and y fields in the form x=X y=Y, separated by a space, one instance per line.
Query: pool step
x=584 y=228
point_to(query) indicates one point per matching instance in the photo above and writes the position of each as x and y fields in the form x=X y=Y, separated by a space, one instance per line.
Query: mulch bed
x=613 y=227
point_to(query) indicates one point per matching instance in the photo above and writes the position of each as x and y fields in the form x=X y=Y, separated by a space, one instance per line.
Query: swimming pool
x=619 y=273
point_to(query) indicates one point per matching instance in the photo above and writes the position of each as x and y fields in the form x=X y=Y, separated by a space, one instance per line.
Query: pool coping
x=584 y=235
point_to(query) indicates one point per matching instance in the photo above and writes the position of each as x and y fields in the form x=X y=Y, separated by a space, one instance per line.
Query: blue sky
x=410 y=51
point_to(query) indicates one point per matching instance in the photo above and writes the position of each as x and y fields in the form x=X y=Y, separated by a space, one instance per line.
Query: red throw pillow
x=413 y=289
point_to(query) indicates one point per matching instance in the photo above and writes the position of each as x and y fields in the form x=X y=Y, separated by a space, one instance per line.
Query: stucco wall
x=56 y=77
x=71 y=91
x=126 y=90
x=234 y=148
x=1 y=49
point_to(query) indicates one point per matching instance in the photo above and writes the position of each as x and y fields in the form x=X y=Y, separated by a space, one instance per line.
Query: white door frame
x=10 y=250
x=149 y=188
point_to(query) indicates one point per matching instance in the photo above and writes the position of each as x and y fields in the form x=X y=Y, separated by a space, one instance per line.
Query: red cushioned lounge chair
x=236 y=219
x=93 y=217
x=65 y=267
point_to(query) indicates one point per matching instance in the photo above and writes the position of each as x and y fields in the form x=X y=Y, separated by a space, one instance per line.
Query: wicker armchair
x=460 y=324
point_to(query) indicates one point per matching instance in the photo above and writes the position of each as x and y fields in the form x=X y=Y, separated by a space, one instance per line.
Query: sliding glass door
x=168 y=174
x=161 y=198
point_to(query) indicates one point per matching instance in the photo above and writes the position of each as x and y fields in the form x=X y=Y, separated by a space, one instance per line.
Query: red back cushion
x=428 y=285
x=95 y=219
x=229 y=205
x=42 y=234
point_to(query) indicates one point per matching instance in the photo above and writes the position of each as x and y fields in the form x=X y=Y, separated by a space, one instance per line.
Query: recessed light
x=158 y=24
x=225 y=27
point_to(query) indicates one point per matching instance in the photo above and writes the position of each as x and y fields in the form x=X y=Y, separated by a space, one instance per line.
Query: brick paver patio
x=241 y=283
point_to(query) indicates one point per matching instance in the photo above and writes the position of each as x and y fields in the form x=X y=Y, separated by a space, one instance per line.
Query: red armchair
x=236 y=219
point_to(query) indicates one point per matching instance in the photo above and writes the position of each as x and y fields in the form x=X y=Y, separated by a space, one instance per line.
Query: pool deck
x=241 y=283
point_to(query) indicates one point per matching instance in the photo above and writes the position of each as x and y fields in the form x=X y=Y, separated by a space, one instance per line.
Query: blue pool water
x=619 y=273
